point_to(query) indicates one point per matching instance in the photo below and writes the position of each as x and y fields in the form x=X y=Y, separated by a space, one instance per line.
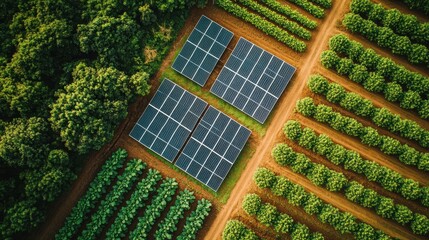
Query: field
x=333 y=181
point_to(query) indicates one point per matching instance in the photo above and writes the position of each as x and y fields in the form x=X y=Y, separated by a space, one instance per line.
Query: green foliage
x=292 y=129
x=263 y=25
x=310 y=8
x=235 y=229
x=264 y=178
x=195 y=220
x=335 y=93
x=252 y=204
x=291 y=13
x=283 y=154
x=318 y=84
x=20 y=217
x=306 y=107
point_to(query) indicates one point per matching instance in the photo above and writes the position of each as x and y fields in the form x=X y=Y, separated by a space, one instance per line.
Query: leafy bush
x=291 y=13
x=309 y=7
x=195 y=220
x=235 y=229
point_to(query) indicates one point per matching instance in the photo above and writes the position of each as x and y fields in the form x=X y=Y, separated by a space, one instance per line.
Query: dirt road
x=284 y=109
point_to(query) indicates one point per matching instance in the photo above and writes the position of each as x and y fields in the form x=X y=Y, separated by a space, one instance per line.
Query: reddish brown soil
x=307 y=64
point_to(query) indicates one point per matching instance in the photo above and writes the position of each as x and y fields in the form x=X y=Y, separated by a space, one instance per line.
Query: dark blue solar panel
x=247 y=67
x=168 y=120
x=202 y=50
x=213 y=148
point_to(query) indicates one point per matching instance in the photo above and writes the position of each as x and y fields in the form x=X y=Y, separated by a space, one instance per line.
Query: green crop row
x=127 y=213
x=195 y=221
x=385 y=37
x=95 y=191
x=290 y=26
x=295 y=194
x=310 y=8
x=113 y=199
x=323 y=3
x=368 y=135
x=290 y=13
x=400 y=23
x=353 y=191
x=374 y=82
x=361 y=106
x=235 y=230
x=269 y=216
x=263 y=25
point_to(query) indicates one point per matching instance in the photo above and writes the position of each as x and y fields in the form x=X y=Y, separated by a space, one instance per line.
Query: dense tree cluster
x=296 y=195
x=361 y=106
x=268 y=215
x=68 y=70
x=375 y=82
x=351 y=160
x=319 y=174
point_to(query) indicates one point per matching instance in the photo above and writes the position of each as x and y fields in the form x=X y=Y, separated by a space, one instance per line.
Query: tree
x=386 y=207
x=359 y=73
x=410 y=189
x=375 y=83
x=339 y=43
x=338 y=154
x=373 y=171
x=283 y=154
x=87 y=112
x=267 y=215
x=330 y=59
x=281 y=186
x=300 y=231
x=323 y=113
x=370 y=137
x=284 y=223
x=391 y=146
x=370 y=199
x=324 y=145
x=20 y=217
x=385 y=119
x=308 y=138
x=354 y=162
x=264 y=178
x=252 y=204
x=355 y=192
x=292 y=129
x=313 y=204
x=318 y=84
x=318 y=174
x=336 y=181
x=335 y=93
x=347 y=223
x=306 y=106
x=410 y=156
x=420 y=225
x=393 y=92
x=403 y=215
x=351 y=101
x=366 y=108
x=365 y=231
x=345 y=66
x=411 y=100
x=297 y=196
x=302 y=164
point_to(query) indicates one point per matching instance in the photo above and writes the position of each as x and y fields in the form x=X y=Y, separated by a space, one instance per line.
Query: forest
x=69 y=70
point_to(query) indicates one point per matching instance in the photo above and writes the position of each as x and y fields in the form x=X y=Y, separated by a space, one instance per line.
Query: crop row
x=368 y=135
x=374 y=82
x=290 y=13
x=195 y=220
x=263 y=25
x=361 y=106
x=351 y=160
x=137 y=201
x=269 y=216
x=323 y=3
x=385 y=37
x=295 y=194
x=168 y=225
x=384 y=66
x=95 y=191
x=290 y=26
x=422 y=5
x=164 y=195
x=113 y=199
x=310 y=8
x=402 y=24
x=353 y=191
x=234 y=229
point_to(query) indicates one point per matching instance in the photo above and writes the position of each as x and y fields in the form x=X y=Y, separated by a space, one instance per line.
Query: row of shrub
x=374 y=82
x=361 y=106
x=263 y=25
x=354 y=191
x=195 y=221
x=351 y=160
x=290 y=13
x=400 y=23
x=234 y=229
x=323 y=3
x=384 y=66
x=295 y=194
x=385 y=37
x=368 y=135
x=422 y=5
x=290 y=26
x=269 y=216
x=309 y=7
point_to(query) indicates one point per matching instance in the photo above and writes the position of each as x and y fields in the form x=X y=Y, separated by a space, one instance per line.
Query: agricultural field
x=344 y=154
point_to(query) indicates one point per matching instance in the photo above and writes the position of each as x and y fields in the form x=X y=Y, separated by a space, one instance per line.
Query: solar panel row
x=252 y=80
x=168 y=120
x=202 y=50
x=213 y=148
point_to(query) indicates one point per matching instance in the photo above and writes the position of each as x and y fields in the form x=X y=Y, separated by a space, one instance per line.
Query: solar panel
x=168 y=120
x=202 y=50
x=213 y=148
x=252 y=80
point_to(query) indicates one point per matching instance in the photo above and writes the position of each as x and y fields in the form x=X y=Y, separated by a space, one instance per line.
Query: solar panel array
x=202 y=50
x=213 y=148
x=168 y=120
x=252 y=80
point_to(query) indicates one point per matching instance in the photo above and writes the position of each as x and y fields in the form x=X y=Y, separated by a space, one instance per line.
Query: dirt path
x=284 y=109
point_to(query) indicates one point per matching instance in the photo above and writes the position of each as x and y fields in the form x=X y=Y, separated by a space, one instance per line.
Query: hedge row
x=385 y=37
x=290 y=13
x=368 y=135
x=361 y=106
x=195 y=221
x=295 y=194
x=351 y=160
x=290 y=26
x=323 y=3
x=235 y=229
x=263 y=25
x=355 y=192
x=310 y=8
x=420 y=5
x=382 y=65
x=269 y=216
x=402 y=24
x=374 y=82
